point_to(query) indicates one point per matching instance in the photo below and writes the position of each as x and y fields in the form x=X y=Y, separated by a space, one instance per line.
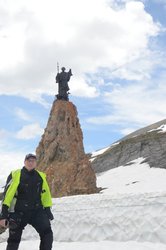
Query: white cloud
x=140 y=104
x=29 y=131
x=84 y=35
x=22 y=114
x=79 y=87
x=9 y=162
x=142 y=68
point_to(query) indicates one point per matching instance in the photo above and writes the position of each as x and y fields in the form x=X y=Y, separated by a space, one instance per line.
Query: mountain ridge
x=148 y=142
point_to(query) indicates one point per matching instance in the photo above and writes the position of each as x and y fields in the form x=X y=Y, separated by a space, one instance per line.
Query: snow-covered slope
x=130 y=213
x=136 y=177
x=148 y=142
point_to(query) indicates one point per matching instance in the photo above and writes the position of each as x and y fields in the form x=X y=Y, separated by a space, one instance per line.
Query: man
x=27 y=200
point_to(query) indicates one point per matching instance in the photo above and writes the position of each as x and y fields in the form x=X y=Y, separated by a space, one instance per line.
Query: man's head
x=30 y=162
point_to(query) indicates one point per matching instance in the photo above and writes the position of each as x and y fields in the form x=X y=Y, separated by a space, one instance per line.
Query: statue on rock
x=62 y=79
x=60 y=152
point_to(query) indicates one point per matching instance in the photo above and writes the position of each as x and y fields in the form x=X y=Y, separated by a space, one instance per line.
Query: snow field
x=104 y=218
x=104 y=245
x=95 y=218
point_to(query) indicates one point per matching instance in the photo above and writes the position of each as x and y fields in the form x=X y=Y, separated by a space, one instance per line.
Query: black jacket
x=28 y=196
x=29 y=190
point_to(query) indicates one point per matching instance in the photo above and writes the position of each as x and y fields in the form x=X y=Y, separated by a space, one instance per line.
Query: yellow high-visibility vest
x=12 y=189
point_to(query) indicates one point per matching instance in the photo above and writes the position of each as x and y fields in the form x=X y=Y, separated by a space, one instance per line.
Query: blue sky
x=116 y=49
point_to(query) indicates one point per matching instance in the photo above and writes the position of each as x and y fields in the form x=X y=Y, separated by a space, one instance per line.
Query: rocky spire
x=61 y=153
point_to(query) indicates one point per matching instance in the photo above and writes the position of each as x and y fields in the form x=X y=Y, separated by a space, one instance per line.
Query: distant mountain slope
x=148 y=142
x=154 y=126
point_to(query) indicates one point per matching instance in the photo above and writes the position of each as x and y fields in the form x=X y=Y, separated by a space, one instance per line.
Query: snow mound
x=100 y=217
x=105 y=218
x=106 y=245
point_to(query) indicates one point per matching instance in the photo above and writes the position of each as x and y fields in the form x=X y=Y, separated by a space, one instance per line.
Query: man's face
x=30 y=163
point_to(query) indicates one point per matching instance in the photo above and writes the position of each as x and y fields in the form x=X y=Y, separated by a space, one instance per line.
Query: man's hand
x=4 y=223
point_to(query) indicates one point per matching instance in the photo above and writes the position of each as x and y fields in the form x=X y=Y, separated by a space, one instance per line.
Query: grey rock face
x=142 y=143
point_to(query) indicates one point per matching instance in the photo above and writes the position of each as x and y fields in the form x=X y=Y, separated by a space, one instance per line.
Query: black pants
x=39 y=220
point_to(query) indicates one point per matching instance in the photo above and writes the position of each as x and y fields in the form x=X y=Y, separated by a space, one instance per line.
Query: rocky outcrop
x=148 y=142
x=61 y=153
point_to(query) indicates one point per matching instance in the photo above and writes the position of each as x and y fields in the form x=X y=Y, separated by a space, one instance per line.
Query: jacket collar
x=31 y=172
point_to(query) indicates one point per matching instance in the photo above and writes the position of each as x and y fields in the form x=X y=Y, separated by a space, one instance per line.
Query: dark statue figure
x=62 y=79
